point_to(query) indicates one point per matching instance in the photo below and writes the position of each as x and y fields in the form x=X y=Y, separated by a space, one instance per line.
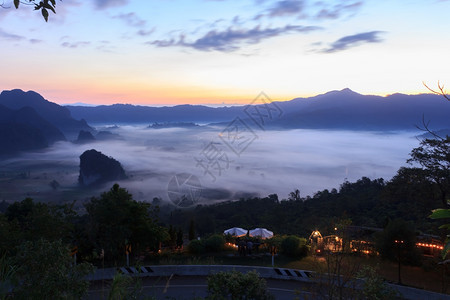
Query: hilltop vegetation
x=366 y=202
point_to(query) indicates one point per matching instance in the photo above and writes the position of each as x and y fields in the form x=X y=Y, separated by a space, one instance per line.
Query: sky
x=222 y=52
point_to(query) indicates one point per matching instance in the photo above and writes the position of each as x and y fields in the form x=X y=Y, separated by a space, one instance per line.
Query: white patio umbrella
x=261 y=232
x=236 y=231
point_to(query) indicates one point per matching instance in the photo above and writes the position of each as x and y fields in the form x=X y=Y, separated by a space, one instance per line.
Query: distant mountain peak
x=345 y=91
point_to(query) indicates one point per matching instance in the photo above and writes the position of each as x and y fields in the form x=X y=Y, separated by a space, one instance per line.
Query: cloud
x=354 y=40
x=9 y=36
x=231 y=39
x=143 y=32
x=282 y=9
x=305 y=9
x=131 y=19
x=103 y=4
x=75 y=45
x=336 y=11
x=286 y=8
x=35 y=41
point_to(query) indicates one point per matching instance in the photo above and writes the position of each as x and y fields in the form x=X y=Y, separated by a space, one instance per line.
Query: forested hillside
x=409 y=195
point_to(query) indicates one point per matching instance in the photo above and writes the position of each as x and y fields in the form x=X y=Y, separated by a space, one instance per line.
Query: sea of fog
x=211 y=164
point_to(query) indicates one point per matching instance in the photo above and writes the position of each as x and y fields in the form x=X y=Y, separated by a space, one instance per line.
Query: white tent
x=236 y=231
x=261 y=232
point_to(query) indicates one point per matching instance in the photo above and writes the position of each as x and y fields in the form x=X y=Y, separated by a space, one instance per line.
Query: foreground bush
x=196 y=247
x=294 y=246
x=236 y=285
x=215 y=243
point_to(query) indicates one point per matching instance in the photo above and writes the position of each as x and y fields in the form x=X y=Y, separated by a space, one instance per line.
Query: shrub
x=373 y=286
x=236 y=285
x=294 y=246
x=196 y=247
x=215 y=243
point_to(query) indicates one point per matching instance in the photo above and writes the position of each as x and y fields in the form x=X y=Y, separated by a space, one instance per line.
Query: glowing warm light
x=430 y=246
x=231 y=245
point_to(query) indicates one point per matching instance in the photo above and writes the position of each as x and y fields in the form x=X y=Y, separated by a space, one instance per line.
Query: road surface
x=190 y=287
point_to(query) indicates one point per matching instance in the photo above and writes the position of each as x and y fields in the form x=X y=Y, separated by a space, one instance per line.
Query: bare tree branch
x=440 y=92
x=425 y=127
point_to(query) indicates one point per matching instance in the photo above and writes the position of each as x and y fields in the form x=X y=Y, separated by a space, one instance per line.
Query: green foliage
x=172 y=236
x=214 y=243
x=39 y=220
x=368 y=202
x=373 y=286
x=47 y=272
x=119 y=286
x=7 y=276
x=443 y=214
x=236 y=285
x=179 y=238
x=397 y=242
x=294 y=246
x=10 y=235
x=42 y=5
x=126 y=287
x=115 y=219
x=191 y=230
x=434 y=157
x=196 y=247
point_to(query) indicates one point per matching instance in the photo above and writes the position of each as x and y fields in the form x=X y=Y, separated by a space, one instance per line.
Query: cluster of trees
x=367 y=202
x=111 y=222
x=38 y=240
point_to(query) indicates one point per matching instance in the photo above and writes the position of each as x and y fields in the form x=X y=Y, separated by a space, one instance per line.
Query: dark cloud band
x=232 y=39
x=355 y=40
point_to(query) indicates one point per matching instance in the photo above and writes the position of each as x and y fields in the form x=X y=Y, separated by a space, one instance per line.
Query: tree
x=7 y=276
x=179 y=238
x=373 y=286
x=172 y=236
x=442 y=213
x=191 y=230
x=43 y=5
x=397 y=242
x=295 y=195
x=434 y=157
x=337 y=280
x=46 y=271
x=441 y=91
x=116 y=220
x=39 y=220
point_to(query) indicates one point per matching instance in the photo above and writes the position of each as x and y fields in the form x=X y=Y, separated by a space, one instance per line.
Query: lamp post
x=399 y=243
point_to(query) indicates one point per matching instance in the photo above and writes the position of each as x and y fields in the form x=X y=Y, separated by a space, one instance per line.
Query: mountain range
x=343 y=109
x=29 y=122
x=59 y=116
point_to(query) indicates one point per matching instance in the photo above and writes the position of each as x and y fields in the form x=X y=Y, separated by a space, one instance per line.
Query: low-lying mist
x=229 y=166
